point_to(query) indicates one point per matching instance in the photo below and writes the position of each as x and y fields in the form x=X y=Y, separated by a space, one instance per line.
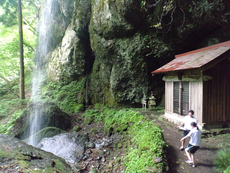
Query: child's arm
x=188 y=135
x=181 y=125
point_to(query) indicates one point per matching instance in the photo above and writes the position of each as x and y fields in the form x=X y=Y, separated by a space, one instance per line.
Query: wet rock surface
x=69 y=146
x=44 y=133
x=16 y=155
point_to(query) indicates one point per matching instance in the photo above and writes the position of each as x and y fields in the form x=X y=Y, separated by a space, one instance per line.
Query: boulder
x=44 y=133
x=69 y=146
x=50 y=116
x=16 y=155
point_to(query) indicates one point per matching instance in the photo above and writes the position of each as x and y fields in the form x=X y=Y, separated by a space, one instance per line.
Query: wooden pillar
x=180 y=98
x=202 y=98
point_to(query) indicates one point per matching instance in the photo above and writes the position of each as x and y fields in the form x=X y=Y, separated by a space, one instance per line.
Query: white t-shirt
x=195 y=137
x=187 y=122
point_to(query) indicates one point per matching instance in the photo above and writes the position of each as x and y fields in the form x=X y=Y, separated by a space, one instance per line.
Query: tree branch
x=26 y=44
x=32 y=28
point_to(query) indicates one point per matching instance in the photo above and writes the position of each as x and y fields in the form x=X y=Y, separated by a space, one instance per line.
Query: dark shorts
x=191 y=149
x=185 y=132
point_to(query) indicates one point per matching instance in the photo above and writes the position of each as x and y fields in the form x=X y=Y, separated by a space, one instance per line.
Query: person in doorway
x=194 y=143
x=188 y=119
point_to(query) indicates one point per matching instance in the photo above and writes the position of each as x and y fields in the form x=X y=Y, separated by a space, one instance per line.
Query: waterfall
x=44 y=28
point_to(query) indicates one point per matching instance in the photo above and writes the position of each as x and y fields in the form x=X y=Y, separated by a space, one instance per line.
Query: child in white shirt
x=194 y=143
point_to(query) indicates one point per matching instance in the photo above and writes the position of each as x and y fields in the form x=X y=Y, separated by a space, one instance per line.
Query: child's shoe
x=188 y=161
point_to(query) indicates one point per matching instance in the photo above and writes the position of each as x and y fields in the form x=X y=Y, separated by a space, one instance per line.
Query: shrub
x=222 y=160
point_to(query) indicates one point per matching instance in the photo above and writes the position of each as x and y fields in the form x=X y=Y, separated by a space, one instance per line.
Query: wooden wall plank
x=217 y=94
x=196 y=99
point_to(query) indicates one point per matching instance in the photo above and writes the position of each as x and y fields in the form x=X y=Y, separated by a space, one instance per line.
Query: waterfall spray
x=36 y=117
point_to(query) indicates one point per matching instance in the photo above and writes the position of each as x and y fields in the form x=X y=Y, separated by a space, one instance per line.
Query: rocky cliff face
x=117 y=43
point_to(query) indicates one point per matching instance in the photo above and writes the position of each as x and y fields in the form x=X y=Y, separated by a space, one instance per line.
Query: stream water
x=44 y=26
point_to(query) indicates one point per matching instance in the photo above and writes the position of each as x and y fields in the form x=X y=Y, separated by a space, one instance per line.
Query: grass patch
x=222 y=160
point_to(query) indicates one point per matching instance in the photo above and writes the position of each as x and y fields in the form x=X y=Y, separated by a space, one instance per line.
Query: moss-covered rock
x=52 y=117
x=45 y=133
x=16 y=154
x=122 y=78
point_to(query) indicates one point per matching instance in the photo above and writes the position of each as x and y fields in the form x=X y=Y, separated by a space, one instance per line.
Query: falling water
x=36 y=117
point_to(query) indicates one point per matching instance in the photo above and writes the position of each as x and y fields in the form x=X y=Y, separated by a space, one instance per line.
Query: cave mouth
x=89 y=54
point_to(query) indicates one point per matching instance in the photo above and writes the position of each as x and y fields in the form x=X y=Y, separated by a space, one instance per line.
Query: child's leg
x=182 y=142
x=193 y=159
x=188 y=154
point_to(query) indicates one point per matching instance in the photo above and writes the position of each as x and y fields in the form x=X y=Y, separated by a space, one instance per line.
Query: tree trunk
x=22 y=76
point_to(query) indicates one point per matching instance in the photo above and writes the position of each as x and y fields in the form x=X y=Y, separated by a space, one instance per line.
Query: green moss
x=76 y=128
x=24 y=164
x=88 y=120
x=59 y=165
x=11 y=155
x=3 y=154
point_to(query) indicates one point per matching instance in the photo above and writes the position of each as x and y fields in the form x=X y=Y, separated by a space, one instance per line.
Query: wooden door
x=181 y=97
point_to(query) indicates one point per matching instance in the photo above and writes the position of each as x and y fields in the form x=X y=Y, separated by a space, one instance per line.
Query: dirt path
x=176 y=158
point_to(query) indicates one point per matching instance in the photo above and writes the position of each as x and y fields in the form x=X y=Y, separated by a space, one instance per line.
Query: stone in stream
x=157 y=159
x=16 y=155
x=69 y=146
x=90 y=145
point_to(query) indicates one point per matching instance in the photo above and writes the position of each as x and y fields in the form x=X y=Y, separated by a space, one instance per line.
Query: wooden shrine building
x=199 y=80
